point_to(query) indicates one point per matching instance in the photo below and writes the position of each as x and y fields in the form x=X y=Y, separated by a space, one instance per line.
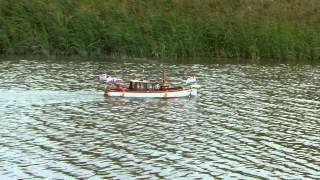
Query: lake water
x=248 y=122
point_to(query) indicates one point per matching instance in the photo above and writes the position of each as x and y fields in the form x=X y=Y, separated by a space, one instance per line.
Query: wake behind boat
x=145 y=89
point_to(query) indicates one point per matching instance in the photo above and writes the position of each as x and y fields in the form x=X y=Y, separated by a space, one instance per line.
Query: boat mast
x=164 y=81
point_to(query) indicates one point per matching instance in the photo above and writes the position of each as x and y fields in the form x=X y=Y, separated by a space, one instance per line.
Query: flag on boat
x=108 y=79
x=191 y=80
x=112 y=80
x=102 y=77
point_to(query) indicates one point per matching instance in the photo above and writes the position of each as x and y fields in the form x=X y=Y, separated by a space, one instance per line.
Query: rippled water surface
x=248 y=122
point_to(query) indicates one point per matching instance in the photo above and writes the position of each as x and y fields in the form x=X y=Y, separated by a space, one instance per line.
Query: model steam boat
x=145 y=89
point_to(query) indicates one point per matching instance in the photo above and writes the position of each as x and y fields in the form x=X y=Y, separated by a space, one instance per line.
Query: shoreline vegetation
x=251 y=29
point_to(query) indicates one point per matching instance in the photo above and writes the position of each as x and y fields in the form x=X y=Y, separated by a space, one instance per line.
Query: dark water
x=249 y=122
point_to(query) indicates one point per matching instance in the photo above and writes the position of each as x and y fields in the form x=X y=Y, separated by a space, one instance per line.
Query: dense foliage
x=277 y=29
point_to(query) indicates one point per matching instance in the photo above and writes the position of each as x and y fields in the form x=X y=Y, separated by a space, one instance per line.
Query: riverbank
x=256 y=30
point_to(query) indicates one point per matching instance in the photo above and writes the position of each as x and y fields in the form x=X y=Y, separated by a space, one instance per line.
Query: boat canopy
x=138 y=81
x=142 y=84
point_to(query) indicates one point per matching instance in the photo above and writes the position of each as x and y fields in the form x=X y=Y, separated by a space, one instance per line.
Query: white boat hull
x=153 y=94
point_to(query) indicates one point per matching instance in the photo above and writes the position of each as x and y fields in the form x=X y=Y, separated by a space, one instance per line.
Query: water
x=249 y=122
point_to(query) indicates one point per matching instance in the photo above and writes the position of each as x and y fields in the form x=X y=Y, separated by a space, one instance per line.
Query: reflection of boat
x=147 y=89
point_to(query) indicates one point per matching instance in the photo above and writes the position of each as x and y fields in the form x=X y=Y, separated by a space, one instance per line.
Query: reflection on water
x=248 y=122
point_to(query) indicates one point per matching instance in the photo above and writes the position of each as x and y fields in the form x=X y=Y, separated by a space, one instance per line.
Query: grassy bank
x=256 y=29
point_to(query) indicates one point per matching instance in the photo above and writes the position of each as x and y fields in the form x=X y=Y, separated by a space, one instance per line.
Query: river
x=249 y=122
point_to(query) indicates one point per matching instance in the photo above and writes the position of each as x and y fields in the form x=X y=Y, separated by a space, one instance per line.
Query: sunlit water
x=248 y=122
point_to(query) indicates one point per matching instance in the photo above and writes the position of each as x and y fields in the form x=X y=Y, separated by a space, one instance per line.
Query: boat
x=146 y=89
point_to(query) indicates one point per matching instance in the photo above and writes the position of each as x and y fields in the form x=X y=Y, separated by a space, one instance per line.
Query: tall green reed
x=257 y=30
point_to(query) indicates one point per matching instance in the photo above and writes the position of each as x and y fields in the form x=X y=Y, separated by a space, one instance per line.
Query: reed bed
x=253 y=29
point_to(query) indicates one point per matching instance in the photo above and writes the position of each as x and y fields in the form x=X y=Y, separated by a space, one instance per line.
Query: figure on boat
x=141 y=88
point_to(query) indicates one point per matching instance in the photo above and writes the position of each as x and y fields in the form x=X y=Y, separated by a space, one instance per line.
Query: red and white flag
x=102 y=77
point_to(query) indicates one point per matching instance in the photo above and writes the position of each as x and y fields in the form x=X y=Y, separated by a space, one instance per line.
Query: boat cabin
x=137 y=85
x=143 y=85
